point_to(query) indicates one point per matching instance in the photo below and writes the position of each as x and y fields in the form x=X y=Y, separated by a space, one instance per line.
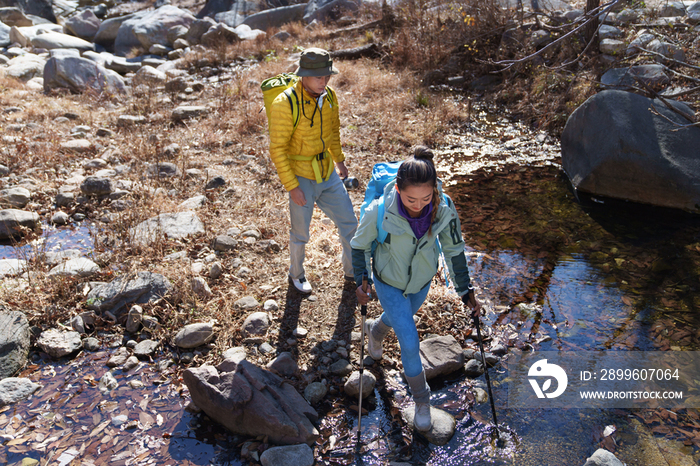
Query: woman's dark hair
x=417 y=170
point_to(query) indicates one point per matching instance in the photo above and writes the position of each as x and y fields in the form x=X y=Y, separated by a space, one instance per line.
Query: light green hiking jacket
x=403 y=261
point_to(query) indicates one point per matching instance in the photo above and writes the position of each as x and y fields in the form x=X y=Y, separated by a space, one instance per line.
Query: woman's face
x=415 y=197
x=315 y=84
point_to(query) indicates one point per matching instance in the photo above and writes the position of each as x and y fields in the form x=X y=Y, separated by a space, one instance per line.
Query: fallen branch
x=351 y=29
x=668 y=105
x=669 y=59
x=370 y=51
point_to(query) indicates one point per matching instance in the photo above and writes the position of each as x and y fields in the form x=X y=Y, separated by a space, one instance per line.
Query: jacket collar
x=391 y=207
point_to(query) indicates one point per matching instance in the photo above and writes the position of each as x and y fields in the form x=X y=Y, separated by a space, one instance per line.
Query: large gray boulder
x=615 y=145
x=125 y=290
x=146 y=29
x=326 y=10
x=4 y=35
x=14 y=342
x=57 y=40
x=41 y=8
x=276 y=17
x=84 y=25
x=621 y=78
x=216 y=6
x=108 y=30
x=252 y=401
x=14 y=223
x=25 y=67
x=13 y=16
x=81 y=74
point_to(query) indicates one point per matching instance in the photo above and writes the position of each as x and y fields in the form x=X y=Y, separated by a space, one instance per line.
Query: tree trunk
x=590 y=30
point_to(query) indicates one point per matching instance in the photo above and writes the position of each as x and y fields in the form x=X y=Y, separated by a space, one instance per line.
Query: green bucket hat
x=315 y=62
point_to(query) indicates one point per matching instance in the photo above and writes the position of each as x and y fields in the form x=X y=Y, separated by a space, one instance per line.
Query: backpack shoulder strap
x=332 y=98
x=381 y=233
x=293 y=99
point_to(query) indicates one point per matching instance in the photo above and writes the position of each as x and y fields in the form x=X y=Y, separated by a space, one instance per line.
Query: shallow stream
x=555 y=274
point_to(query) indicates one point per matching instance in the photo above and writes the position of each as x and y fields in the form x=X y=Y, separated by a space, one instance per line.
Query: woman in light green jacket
x=416 y=213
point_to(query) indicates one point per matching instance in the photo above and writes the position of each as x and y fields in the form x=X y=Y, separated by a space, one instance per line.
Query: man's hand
x=363 y=295
x=297 y=196
x=342 y=169
x=470 y=300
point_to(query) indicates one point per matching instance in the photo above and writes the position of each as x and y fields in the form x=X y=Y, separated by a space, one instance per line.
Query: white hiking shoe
x=374 y=347
x=301 y=285
x=421 y=419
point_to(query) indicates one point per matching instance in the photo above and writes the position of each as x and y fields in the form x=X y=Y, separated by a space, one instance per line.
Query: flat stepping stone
x=443 y=427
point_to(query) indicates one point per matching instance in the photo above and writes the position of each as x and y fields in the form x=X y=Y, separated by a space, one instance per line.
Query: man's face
x=315 y=84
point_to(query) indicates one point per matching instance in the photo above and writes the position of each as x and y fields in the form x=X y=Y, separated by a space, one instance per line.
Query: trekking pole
x=363 y=312
x=486 y=370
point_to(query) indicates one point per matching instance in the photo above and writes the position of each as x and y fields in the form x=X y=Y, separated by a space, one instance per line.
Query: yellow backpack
x=285 y=82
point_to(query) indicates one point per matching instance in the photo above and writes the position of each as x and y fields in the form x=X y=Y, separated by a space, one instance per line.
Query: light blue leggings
x=398 y=314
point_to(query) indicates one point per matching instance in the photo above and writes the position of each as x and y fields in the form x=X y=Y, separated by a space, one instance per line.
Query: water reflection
x=52 y=240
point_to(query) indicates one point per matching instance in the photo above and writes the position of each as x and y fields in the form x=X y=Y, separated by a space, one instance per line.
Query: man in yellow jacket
x=309 y=160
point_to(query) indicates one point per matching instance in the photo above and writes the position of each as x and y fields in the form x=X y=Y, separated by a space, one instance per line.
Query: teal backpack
x=384 y=173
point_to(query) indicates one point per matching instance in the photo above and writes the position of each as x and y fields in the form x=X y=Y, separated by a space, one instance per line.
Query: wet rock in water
x=474 y=368
x=651 y=170
x=294 y=455
x=200 y=287
x=130 y=363
x=133 y=319
x=128 y=289
x=252 y=401
x=91 y=344
x=480 y=395
x=60 y=218
x=14 y=223
x=443 y=427
x=14 y=342
x=171 y=225
x=602 y=457
x=80 y=267
x=107 y=383
x=441 y=355
x=352 y=385
x=499 y=349
x=145 y=348
x=342 y=368
x=118 y=358
x=14 y=389
x=315 y=392
x=256 y=324
x=58 y=343
x=17 y=197
x=194 y=335
x=284 y=364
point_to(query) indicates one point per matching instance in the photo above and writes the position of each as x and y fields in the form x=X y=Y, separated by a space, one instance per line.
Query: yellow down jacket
x=317 y=134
